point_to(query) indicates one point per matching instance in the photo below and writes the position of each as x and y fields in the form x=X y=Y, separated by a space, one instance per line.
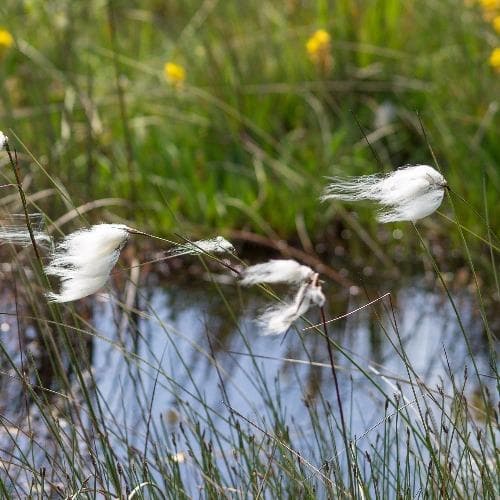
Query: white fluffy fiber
x=83 y=260
x=408 y=194
x=276 y=271
x=3 y=140
x=278 y=319
x=218 y=244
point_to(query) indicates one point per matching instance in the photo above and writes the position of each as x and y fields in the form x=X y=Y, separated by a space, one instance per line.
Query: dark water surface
x=160 y=362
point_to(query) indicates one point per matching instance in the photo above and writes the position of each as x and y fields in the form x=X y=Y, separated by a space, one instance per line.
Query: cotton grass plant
x=407 y=194
x=429 y=441
x=423 y=441
x=13 y=230
x=279 y=318
x=217 y=245
x=84 y=260
x=3 y=140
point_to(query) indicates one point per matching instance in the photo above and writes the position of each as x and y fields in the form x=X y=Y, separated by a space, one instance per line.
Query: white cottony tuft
x=408 y=194
x=278 y=319
x=276 y=271
x=213 y=245
x=3 y=140
x=84 y=260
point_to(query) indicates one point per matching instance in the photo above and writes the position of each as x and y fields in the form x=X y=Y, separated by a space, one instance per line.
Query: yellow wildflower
x=6 y=40
x=496 y=24
x=495 y=59
x=490 y=9
x=317 y=43
x=490 y=4
x=318 y=48
x=174 y=73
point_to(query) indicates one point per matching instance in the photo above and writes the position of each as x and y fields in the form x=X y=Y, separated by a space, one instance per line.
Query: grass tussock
x=178 y=118
x=80 y=425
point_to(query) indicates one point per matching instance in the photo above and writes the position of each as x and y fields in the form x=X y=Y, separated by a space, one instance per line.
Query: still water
x=161 y=363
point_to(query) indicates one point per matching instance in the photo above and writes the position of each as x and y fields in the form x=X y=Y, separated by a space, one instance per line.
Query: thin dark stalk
x=347 y=314
x=132 y=230
x=216 y=365
x=15 y=167
x=339 y=401
x=266 y=474
x=301 y=458
x=121 y=100
x=475 y=212
x=150 y=410
x=372 y=149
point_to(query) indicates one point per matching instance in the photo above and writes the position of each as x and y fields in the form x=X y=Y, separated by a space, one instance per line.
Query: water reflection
x=161 y=362
x=175 y=338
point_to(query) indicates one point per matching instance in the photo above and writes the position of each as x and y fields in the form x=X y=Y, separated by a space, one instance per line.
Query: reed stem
x=339 y=401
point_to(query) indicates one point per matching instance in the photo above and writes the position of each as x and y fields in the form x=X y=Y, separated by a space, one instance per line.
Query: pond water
x=160 y=362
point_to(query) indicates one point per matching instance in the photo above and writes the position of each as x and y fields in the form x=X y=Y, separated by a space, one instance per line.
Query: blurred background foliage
x=259 y=101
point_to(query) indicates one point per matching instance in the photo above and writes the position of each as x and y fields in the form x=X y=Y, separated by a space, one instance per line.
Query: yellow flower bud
x=496 y=24
x=495 y=59
x=318 y=49
x=175 y=74
x=6 y=39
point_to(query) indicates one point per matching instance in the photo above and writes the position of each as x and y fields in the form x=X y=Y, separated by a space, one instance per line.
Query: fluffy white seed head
x=3 y=140
x=408 y=194
x=278 y=319
x=218 y=244
x=83 y=260
x=276 y=271
x=414 y=209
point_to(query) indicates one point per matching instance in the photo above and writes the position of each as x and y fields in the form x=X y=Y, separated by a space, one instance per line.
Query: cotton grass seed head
x=83 y=260
x=276 y=271
x=14 y=231
x=408 y=194
x=218 y=245
x=279 y=318
x=3 y=140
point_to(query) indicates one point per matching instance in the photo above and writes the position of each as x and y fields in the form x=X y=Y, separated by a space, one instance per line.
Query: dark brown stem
x=15 y=167
x=339 y=401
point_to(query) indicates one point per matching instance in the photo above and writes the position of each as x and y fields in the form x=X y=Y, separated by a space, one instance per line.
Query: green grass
x=66 y=439
x=245 y=145
x=62 y=436
x=255 y=125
